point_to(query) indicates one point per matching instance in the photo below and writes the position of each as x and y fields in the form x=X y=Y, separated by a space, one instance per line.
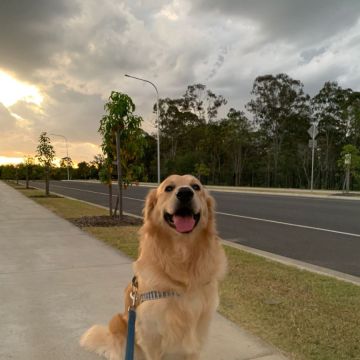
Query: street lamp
x=67 y=153
x=158 y=123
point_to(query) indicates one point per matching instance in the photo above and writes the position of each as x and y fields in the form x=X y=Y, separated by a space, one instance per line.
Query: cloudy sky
x=60 y=59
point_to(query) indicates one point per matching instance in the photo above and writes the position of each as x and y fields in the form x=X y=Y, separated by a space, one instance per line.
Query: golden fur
x=189 y=263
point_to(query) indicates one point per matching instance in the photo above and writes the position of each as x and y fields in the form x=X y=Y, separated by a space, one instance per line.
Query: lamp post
x=67 y=153
x=157 y=118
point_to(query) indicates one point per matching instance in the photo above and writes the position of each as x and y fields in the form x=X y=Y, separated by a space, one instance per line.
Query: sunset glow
x=6 y=160
x=12 y=90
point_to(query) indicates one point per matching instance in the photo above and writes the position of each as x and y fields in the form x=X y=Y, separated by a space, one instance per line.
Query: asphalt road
x=324 y=232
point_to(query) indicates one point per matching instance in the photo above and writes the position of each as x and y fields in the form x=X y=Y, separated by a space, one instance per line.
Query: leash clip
x=134 y=291
x=133 y=297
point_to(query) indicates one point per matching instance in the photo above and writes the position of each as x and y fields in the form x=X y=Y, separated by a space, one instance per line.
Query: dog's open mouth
x=183 y=220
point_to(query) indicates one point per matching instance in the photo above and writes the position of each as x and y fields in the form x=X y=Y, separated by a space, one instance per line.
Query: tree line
x=267 y=143
x=264 y=144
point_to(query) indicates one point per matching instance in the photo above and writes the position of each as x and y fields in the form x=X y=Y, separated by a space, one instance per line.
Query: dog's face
x=180 y=204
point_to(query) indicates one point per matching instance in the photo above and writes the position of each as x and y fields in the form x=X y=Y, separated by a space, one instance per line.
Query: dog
x=181 y=256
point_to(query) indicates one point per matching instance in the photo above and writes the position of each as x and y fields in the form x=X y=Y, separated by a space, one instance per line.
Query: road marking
x=95 y=192
x=237 y=216
x=287 y=224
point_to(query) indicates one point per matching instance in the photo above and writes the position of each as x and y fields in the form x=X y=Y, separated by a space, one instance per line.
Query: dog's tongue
x=184 y=224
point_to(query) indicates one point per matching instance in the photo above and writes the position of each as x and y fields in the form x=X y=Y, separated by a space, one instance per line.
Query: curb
x=296 y=263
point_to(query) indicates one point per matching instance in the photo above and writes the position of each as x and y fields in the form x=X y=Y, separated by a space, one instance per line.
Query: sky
x=60 y=59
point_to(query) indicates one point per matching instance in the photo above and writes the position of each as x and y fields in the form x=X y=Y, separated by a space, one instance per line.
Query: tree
x=45 y=155
x=237 y=132
x=279 y=101
x=83 y=170
x=122 y=125
x=201 y=170
x=352 y=115
x=329 y=112
x=28 y=164
x=202 y=102
x=354 y=166
x=66 y=163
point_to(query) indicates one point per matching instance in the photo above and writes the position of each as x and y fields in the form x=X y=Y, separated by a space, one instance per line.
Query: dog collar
x=150 y=295
x=155 y=295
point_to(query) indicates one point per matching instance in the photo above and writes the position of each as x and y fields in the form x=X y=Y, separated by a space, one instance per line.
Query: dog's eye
x=169 y=188
x=196 y=187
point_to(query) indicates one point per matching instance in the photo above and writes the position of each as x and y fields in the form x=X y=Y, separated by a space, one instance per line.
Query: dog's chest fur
x=177 y=325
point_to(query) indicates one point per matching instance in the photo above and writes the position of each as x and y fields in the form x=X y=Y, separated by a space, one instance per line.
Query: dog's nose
x=185 y=194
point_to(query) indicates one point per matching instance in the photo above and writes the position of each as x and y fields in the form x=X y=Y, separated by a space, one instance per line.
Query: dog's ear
x=150 y=203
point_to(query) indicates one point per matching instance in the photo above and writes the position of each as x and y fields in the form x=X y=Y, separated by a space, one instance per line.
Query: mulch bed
x=105 y=221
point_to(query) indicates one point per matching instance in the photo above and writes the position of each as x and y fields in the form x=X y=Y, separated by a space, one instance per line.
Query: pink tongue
x=184 y=223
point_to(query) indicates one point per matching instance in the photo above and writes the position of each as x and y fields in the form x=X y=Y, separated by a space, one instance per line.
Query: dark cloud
x=303 y=21
x=31 y=31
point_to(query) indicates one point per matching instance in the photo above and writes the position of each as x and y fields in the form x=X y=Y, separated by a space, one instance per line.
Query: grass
x=306 y=315
x=64 y=207
x=124 y=238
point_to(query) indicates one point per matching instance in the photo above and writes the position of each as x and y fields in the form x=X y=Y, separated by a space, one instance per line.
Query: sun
x=12 y=90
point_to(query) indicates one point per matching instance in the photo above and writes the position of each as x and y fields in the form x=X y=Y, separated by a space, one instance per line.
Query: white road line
x=288 y=224
x=237 y=216
x=94 y=192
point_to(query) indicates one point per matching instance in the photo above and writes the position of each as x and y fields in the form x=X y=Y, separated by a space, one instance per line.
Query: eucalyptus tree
x=329 y=112
x=122 y=126
x=237 y=134
x=352 y=115
x=204 y=103
x=45 y=154
x=278 y=101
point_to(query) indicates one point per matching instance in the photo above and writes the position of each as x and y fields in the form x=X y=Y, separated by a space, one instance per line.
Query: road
x=319 y=231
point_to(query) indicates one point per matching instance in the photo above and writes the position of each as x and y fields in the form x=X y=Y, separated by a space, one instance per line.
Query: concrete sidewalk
x=56 y=281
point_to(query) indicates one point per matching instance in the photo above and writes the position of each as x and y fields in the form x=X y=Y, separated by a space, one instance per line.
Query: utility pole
x=157 y=120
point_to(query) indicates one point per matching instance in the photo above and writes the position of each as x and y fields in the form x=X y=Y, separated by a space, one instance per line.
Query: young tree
x=45 y=155
x=120 y=123
x=28 y=164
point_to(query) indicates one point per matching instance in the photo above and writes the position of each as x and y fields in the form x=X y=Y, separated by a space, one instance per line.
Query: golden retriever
x=180 y=253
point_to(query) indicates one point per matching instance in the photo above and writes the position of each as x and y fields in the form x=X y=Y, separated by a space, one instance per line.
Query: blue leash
x=130 y=341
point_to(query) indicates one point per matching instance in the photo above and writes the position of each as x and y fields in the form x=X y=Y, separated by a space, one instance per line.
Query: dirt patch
x=105 y=221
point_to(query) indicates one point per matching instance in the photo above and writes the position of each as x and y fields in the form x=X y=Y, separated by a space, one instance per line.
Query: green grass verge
x=124 y=238
x=306 y=315
x=66 y=208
